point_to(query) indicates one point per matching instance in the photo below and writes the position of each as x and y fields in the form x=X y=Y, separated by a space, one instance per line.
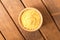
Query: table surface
x=10 y=28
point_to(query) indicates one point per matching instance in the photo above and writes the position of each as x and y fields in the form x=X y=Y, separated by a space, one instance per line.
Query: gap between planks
x=3 y=37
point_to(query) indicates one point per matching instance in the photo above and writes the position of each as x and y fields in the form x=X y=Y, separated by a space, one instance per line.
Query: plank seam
x=50 y=15
x=2 y=35
x=42 y=34
x=12 y=20
x=22 y=3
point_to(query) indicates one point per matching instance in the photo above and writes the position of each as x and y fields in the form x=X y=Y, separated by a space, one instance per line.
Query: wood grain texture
x=7 y=27
x=14 y=7
x=54 y=8
x=48 y=29
x=1 y=37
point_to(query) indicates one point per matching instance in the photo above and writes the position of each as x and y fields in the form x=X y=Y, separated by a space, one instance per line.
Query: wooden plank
x=14 y=7
x=48 y=29
x=7 y=27
x=54 y=8
x=1 y=37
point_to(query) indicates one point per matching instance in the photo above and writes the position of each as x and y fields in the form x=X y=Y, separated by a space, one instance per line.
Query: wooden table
x=10 y=28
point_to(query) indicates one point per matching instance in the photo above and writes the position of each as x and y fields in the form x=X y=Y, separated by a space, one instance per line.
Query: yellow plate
x=30 y=19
